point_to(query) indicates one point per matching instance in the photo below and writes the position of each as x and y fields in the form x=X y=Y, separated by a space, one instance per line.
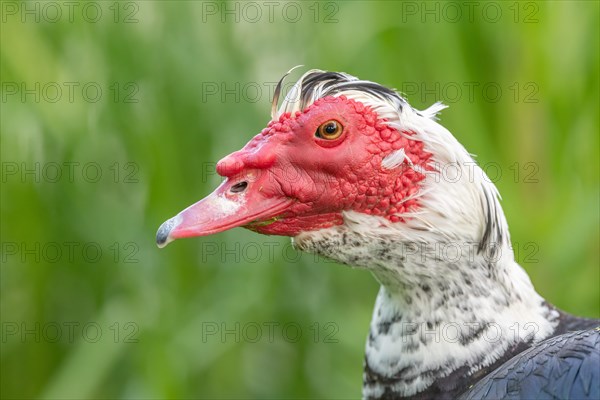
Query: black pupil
x=330 y=128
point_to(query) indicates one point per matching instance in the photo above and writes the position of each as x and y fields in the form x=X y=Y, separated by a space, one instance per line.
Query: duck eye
x=329 y=130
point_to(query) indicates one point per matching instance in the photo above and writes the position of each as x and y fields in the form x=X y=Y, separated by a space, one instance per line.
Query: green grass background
x=172 y=53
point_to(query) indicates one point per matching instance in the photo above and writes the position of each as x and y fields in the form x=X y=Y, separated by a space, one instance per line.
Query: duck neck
x=445 y=313
x=446 y=326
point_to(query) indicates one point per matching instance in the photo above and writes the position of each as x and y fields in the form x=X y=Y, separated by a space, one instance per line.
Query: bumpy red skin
x=326 y=177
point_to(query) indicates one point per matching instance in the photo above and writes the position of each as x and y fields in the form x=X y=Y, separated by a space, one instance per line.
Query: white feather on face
x=395 y=159
x=458 y=208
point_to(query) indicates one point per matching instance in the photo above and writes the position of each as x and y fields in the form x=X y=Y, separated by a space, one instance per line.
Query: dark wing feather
x=562 y=367
x=568 y=322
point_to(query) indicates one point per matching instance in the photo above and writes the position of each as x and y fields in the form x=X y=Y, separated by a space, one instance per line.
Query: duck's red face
x=302 y=171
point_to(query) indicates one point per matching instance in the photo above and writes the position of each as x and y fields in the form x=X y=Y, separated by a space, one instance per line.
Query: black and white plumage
x=455 y=315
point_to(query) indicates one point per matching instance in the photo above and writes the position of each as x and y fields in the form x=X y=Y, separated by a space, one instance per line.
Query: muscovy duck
x=351 y=171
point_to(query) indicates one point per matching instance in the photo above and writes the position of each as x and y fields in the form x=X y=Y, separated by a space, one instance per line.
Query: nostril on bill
x=239 y=187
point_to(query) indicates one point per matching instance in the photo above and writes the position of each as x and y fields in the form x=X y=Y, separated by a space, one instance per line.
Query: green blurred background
x=132 y=103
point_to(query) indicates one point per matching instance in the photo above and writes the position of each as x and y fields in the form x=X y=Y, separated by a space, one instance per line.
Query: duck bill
x=220 y=211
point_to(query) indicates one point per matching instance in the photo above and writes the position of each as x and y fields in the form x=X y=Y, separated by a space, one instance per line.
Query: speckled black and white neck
x=438 y=312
